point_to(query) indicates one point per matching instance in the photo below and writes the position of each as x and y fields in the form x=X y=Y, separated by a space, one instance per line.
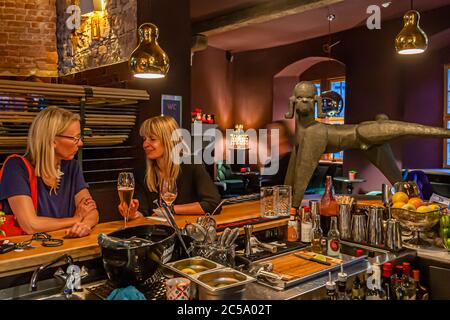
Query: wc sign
x=74 y=20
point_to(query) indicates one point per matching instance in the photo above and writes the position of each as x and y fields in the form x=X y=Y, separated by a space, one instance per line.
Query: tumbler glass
x=283 y=200
x=267 y=202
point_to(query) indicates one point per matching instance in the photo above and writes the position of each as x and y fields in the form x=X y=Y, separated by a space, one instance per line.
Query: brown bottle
x=328 y=206
x=421 y=291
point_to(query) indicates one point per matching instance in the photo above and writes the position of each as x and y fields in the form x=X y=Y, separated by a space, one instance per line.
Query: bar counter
x=87 y=248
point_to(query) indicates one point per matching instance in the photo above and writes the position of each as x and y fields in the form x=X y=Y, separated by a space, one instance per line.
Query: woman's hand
x=85 y=207
x=133 y=212
x=78 y=230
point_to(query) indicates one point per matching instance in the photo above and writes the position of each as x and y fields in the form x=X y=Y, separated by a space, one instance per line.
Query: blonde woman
x=196 y=192
x=45 y=190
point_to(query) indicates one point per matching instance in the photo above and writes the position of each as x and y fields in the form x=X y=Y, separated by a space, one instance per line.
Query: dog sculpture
x=315 y=138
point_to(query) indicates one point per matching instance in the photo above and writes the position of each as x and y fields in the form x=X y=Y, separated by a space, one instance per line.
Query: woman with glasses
x=45 y=190
x=195 y=192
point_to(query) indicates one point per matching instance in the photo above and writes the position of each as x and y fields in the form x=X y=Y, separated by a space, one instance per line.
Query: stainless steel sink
x=61 y=296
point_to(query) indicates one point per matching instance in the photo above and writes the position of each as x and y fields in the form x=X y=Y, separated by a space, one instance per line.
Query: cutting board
x=293 y=267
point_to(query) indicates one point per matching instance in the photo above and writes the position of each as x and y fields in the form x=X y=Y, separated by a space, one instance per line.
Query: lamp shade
x=412 y=39
x=88 y=6
x=148 y=60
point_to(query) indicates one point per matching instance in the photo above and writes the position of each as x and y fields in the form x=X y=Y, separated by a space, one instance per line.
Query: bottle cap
x=416 y=274
x=359 y=253
x=387 y=266
x=293 y=211
x=406 y=267
x=330 y=285
x=306 y=209
x=342 y=276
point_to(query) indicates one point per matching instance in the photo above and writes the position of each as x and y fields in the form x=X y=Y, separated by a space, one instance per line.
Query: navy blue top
x=15 y=181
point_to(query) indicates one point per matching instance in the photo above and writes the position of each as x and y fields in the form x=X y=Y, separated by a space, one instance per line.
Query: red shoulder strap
x=31 y=175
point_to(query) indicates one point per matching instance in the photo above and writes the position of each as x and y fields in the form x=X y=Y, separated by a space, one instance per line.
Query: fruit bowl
x=418 y=221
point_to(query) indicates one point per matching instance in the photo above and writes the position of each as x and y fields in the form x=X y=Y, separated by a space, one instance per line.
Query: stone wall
x=78 y=51
x=28 y=38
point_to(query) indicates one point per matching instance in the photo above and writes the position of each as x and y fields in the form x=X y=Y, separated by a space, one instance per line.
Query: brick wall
x=78 y=51
x=28 y=38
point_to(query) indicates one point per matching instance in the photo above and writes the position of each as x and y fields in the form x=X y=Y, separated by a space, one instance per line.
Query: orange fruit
x=416 y=202
x=400 y=197
x=398 y=204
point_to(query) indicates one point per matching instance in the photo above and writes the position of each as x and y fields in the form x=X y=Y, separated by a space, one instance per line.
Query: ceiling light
x=148 y=60
x=412 y=39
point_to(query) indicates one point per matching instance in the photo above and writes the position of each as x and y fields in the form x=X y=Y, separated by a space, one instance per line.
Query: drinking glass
x=168 y=191
x=267 y=203
x=283 y=200
x=125 y=188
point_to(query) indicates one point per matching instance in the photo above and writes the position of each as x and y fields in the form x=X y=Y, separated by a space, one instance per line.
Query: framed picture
x=171 y=106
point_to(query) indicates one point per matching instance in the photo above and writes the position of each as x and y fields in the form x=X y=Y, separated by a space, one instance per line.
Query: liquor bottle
x=306 y=226
x=342 y=285
x=331 y=288
x=292 y=227
x=421 y=291
x=357 y=292
x=386 y=288
x=399 y=290
x=328 y=206
x=316 y=235
x=396 y=281
x=334 y=246
x=408 y=283
x=373 y=283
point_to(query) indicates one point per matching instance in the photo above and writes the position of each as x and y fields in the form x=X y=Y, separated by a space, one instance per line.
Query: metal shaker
x=344 y=221
x=375 y=226
x=393 y=235
x=248 y=243
x=359 y=227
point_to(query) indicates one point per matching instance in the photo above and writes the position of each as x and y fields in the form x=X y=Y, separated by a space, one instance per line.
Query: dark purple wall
x=378 y=81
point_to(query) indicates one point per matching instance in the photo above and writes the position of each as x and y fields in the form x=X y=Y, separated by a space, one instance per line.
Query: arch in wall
x=285 y=81
x=310 y=68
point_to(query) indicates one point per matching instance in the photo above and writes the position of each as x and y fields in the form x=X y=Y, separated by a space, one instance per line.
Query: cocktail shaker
x=393 y=235
x=344 y=221
x=375 y=226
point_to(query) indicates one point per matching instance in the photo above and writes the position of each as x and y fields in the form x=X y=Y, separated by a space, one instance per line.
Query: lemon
x=424 y=209
x=320 y=257
x=188 y=271
x=434 y=207
x=409 y=207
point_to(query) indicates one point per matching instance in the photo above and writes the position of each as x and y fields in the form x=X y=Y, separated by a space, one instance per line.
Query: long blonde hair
x=41 y=136
x=165 y=129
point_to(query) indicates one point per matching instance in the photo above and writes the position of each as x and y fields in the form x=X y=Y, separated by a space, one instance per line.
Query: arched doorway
x=325 y=73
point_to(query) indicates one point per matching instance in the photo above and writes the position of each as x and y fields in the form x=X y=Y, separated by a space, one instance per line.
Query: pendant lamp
x=412 y=39
x=148 y=60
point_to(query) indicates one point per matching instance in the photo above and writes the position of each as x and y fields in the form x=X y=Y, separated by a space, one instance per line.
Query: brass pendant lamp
x=148 y=60
x=412 y=39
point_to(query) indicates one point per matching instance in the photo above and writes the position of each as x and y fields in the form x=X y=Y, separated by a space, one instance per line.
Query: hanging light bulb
x=148 y=60
x=412 y=39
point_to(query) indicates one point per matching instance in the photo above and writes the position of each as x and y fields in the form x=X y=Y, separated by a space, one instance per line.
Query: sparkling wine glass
x=168 y=191
x=125 y=188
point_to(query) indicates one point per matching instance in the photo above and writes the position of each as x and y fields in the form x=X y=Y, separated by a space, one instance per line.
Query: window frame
x=446 y=113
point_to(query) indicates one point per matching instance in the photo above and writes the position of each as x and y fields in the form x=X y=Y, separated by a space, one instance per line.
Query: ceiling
x=294 y=27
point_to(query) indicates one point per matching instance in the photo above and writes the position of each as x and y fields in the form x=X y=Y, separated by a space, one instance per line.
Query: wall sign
x=171 y=106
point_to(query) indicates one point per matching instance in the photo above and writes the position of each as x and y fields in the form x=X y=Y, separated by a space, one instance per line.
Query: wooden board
x=293 y=267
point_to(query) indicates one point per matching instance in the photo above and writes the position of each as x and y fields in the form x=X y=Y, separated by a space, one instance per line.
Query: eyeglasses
x=74 y=139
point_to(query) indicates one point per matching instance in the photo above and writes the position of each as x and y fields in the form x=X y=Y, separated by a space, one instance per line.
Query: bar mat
x=222 y=226
x=155 y=290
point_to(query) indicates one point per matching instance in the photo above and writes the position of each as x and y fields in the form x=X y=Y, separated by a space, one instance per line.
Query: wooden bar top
x=87 y=248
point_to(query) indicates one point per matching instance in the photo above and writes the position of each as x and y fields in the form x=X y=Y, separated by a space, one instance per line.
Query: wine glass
x=125 y=188
x=168 y=191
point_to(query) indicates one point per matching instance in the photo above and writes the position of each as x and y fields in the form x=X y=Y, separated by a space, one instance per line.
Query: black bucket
x=136 y=265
